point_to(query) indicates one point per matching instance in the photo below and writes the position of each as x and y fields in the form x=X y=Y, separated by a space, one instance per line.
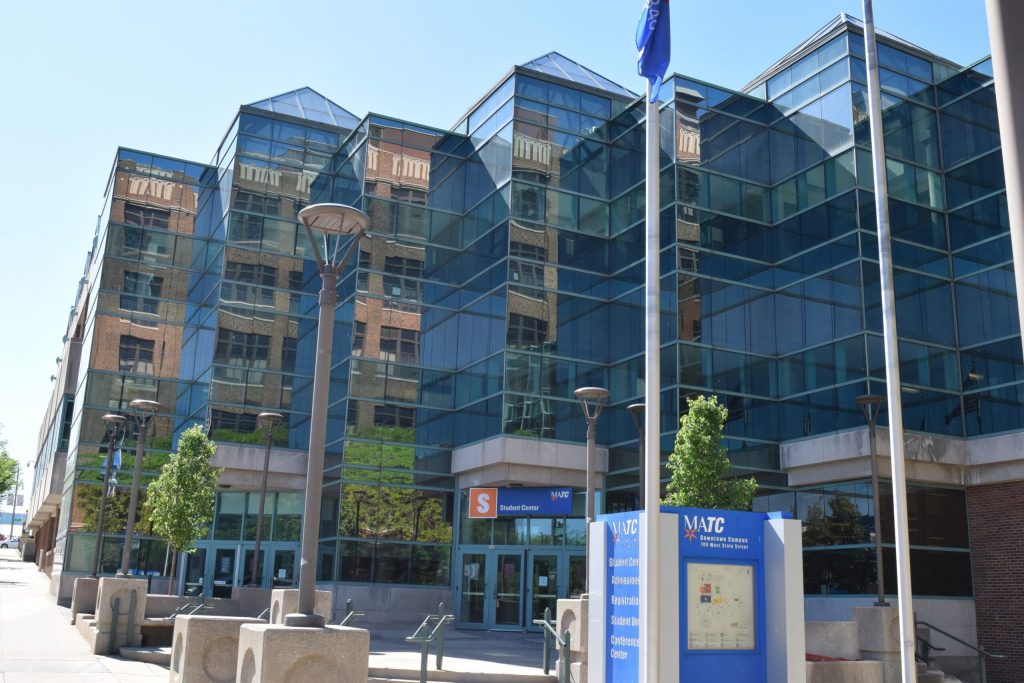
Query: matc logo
x=696 y=523
x=483 y=503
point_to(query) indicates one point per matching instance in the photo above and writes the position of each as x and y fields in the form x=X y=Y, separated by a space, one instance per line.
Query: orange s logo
x=483 y=503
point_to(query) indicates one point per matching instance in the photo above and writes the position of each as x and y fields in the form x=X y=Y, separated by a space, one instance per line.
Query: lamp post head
x=636 y=411
x=332 y=220
x=269 y=420
x=592 y=400
x=144 y=408
x=870 y=405
x=113 y=421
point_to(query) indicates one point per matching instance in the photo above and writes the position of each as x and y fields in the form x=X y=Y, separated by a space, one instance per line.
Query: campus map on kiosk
x=719 y=606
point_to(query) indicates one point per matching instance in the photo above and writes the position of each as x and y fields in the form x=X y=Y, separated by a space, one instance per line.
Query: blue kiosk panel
x=721 y=595
x=622 y=586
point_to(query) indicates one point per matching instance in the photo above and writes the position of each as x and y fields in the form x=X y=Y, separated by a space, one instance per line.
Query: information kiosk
x=731 y=597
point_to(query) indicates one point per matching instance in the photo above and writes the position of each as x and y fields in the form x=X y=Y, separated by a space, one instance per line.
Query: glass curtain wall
x=775 y=286
x=132 y=340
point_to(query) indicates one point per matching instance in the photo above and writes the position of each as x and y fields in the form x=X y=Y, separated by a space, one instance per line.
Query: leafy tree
x=8 y=469
x=699 y=463
x=180 y=503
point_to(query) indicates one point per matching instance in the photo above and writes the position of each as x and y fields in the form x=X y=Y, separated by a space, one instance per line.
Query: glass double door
x=509 y=588
x=217 y=568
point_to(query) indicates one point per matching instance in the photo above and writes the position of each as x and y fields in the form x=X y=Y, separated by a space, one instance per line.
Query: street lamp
x=114 y=423
x=870 y=405
x=592 y=400
x=144 y=410
x=329 y=220
x=269 y=421
x=636 y=411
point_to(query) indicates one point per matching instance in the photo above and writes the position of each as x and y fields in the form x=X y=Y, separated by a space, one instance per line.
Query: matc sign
x=519 y=501
x=483 y=503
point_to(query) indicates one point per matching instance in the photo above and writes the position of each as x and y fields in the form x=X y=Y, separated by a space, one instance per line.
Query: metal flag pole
x=1008 y=72
x=892 y=360
x=650 y=549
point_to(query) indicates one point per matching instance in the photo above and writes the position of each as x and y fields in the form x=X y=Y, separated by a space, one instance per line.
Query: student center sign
x=731 y=597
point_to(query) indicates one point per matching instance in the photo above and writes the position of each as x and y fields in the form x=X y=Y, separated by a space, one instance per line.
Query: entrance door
x=261 y=570
x=223 y=571
x=544 y=582
x=495 y=586
x=284 y=568
x=195 y=572
x=473 y=595
x=577 y=575
x=508 y=604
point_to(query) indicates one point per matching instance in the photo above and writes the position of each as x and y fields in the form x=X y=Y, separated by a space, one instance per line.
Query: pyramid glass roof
x=554 y=64
x=306 y=103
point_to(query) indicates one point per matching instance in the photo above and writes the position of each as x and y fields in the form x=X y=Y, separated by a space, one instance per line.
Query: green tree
x=8 y=469
x=699 y=464
x=180 y=503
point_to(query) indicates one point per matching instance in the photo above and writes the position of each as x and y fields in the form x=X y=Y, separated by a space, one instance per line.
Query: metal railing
x=563 y=642
x=350 y=613
x=430 y=630
x=925 y=648
x=190 y=608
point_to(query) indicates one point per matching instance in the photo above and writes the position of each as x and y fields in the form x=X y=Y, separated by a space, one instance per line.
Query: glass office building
x=503 y=268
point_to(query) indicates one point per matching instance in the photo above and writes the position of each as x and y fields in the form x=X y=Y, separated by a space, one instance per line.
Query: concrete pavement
x=38 y=643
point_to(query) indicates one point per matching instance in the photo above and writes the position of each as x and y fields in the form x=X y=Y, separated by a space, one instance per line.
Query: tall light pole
x=870 y=404
x=636 y=411
x=144 y=411
x=114 y=423
x=890 y=342
x=269 y=421
x=329 y=221
x=592 y=400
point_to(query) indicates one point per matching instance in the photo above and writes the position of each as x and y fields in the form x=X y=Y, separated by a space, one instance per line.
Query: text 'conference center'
x=503 y=268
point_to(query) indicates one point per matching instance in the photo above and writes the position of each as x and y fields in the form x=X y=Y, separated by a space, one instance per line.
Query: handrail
x=563 y=642
x=115 y=606
x=928 y=647
x=435 y=623
x=350 y=613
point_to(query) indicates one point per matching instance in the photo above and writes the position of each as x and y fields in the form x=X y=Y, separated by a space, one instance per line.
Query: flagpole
x=650 y=560
x=892 y=361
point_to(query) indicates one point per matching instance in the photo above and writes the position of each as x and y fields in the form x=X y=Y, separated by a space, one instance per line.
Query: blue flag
x=654 y=43
x=117 y=459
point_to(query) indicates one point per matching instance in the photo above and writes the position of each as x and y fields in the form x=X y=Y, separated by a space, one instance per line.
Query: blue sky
x=79 y=79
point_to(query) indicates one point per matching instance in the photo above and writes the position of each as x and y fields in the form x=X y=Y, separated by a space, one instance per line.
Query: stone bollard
x=206 y=648
x=572 y=617
x=120 y=611
x=284 y=601
x=878 y=630
x=83 y=596
x=270 y=653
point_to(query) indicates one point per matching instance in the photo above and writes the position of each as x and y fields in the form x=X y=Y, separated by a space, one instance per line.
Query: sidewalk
x=38 y=642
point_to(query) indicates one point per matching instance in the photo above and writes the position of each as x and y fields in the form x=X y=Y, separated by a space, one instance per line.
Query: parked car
x=11 y=543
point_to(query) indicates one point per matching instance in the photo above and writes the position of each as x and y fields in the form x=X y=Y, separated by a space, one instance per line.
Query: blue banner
x=654 y=43
x=534 y=501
